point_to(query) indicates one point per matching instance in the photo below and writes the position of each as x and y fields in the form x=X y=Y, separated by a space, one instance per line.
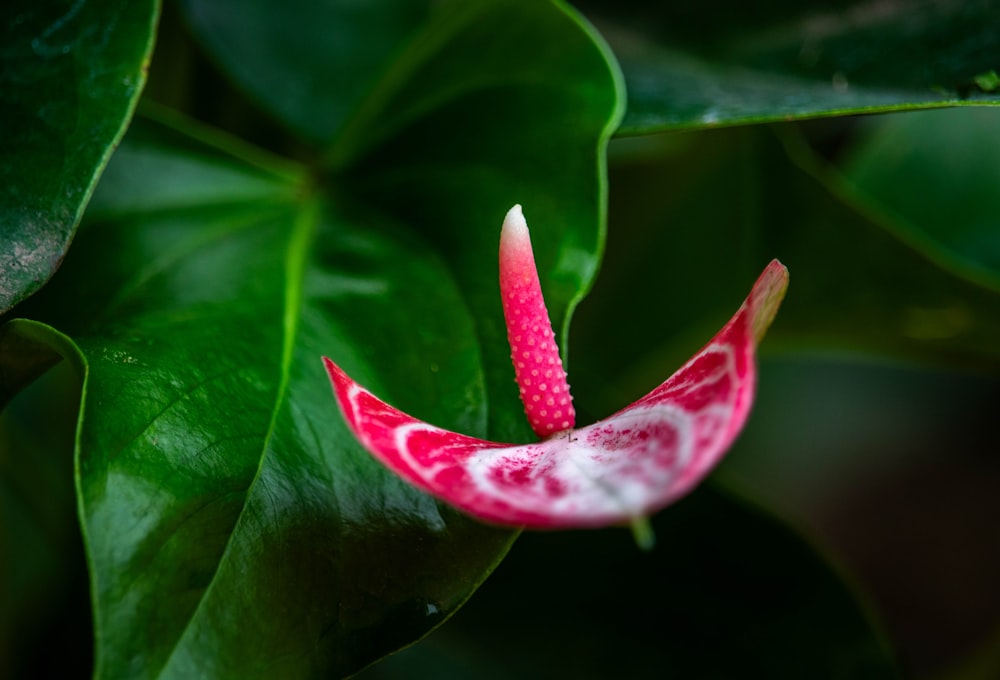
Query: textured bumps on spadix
x=538 y=368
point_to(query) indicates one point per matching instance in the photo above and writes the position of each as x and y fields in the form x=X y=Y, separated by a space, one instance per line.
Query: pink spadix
x=538 y=367
x=614 y=471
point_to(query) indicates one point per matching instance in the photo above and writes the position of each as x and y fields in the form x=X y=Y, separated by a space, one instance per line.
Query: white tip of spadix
x=514 y=223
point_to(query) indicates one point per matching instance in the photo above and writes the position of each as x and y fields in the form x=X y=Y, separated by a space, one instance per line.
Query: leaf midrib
x=301 y=236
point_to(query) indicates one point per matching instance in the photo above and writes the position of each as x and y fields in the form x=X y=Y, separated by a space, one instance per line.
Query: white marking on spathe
x=687 y=385
x=593 y=482
x=354 y=391
x=586 y=473
x=402 y=440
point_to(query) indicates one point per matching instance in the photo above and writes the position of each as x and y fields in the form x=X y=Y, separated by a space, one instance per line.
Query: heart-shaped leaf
x=458 y=178
x=70 y=74
x=454 y=193
x=722 y=63
x=214 y=484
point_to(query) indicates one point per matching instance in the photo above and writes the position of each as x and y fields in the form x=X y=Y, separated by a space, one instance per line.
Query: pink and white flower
x=617 y=470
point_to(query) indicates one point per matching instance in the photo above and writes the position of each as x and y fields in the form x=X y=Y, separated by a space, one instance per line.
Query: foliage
x=306 y=179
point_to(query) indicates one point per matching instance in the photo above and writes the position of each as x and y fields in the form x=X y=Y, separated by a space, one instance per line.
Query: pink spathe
x=614 y=471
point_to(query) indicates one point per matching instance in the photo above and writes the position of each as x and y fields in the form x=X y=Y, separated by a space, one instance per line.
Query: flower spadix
x=538 y=367
x=614 y=471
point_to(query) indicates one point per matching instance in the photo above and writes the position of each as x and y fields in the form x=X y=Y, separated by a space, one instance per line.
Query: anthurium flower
x=614 y=471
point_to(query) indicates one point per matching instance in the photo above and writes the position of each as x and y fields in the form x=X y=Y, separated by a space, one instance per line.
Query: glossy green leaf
x=704 y=212
x=724 y=62
x=728 y=592
x=233 y=524
x=936 y=174
x=540 y=152
x=217 y=483
x=70 y=74
x=308 y=63
x=516 y=67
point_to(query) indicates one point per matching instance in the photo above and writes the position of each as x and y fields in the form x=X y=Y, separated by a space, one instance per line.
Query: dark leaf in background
x=692 y=65
x=70 y=74
x=735 y=199
x=937 y=173
x=310 y=64
x=44 y=598
x=892 y=468
x=727 y=592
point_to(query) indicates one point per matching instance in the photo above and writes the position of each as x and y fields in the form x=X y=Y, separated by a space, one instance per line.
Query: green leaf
x=544 y=148
x=900 y=299
x=70 y=74
x=695 y=218
x=936 y=174
x=193 y=167
x=724 y=62
x=233 y=524
x=308 y=63
x=728 y=592
x=217 y=482
x=485 y=105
